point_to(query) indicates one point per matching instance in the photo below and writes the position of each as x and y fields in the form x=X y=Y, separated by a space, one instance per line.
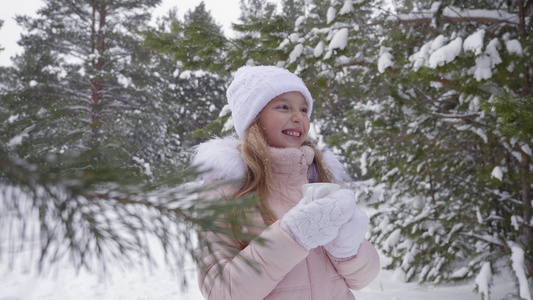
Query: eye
x=304 y=110
x=283 y=106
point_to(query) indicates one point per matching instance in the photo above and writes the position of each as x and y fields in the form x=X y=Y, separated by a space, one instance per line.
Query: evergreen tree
x=91 y=161
x=259 y=33
x=256 y=9
x=440 y=141
x=335 y=55
x=94 y=57
x=194 y=51
x=293 y=9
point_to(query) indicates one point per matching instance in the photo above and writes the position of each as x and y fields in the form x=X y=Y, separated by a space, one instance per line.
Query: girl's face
x=284 y=120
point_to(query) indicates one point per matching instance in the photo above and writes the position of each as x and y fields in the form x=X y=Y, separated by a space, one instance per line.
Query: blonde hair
x=258 y=179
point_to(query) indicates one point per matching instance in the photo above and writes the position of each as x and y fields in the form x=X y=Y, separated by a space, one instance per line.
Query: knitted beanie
x=253 y=87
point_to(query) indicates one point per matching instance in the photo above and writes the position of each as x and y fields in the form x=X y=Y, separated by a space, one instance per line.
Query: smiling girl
x=314 y=244
x=284 y=120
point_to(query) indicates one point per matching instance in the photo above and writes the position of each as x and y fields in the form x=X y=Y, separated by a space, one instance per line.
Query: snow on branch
x=517 y=258
x=457 y=15
x=487 y=238
x=455 y=116
x=483 y=280
x=19 y=138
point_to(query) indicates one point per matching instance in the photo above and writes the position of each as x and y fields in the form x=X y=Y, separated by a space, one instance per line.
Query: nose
x=297 y=117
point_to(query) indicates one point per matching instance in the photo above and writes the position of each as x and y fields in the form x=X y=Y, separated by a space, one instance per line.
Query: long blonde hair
x=258 y=179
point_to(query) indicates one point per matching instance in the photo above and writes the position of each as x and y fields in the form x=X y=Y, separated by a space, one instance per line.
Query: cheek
x=274 y=122
x=269 y=128
x=307 y=126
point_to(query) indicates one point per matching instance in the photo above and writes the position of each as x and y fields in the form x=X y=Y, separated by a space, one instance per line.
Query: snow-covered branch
x=487 y=238
x=456 y=15
x=454 y=116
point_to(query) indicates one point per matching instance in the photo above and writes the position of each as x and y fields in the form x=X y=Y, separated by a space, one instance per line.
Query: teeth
x=293 y=133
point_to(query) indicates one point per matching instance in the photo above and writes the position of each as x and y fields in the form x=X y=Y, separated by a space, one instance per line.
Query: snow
x=473 y=106
x=13 y=118
x=474 y=42
x=331 y=15
x=485 y=62
x=299 y=21
x=483 y=280
x=460 y=273
x=19 y=138
x=123 y=80
x=513 y=47
x=339 y=40
x=146 y=166
x=185 y=75
x=445 y=54
x=436 y=85
x=419 y=57
x=284 y=43
x=515 y=223
x=526 y=149
x=437 y=43
x=363 y=163
x=456 y=12
x=483 y=68
x=296 y=52
x=439 y=53
x=497 y=173
x=392 y=240
x=517 y=258
x=346 y=8
x=158 y=283
x=225 y=111
x=385 y=59
x=492 y=51
x=319 y=49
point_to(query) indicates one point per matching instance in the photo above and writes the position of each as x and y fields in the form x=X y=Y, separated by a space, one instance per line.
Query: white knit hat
x=253 y=87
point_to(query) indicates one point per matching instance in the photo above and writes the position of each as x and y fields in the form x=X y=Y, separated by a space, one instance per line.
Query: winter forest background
x=430 y=103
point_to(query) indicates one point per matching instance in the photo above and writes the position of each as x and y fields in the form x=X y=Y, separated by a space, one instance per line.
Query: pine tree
x=439 y=141
x=195 y=52
x=258 y=34
x=334 y=54
x=256 y=9
x=91 y=167
x=93 y=51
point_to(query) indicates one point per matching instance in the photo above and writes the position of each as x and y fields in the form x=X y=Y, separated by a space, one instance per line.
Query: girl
x=314 y=246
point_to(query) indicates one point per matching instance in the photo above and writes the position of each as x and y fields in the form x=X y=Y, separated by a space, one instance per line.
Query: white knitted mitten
x=350 y=236
x=312 y=223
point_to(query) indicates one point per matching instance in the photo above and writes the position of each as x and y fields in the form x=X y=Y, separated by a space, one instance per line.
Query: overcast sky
x=224 y=11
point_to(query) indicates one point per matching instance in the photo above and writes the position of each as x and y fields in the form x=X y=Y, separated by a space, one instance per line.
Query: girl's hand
x=350 y=236
x=312 y=223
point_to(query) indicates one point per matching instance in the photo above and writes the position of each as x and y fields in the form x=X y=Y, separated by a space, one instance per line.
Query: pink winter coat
x=285 y=269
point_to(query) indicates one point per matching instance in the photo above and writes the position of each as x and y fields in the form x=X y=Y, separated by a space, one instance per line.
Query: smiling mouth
x=292 y=133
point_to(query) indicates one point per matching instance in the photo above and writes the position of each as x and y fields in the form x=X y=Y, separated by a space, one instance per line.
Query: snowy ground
x=160 y=284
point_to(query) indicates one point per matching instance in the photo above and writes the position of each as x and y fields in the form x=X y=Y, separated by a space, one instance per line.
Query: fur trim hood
x=221 y=159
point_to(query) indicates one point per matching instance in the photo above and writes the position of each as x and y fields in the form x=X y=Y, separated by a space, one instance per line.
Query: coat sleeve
x=225 y=271
x=361 y=270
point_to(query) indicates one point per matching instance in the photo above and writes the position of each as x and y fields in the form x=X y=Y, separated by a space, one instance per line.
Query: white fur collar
x=220 y=159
